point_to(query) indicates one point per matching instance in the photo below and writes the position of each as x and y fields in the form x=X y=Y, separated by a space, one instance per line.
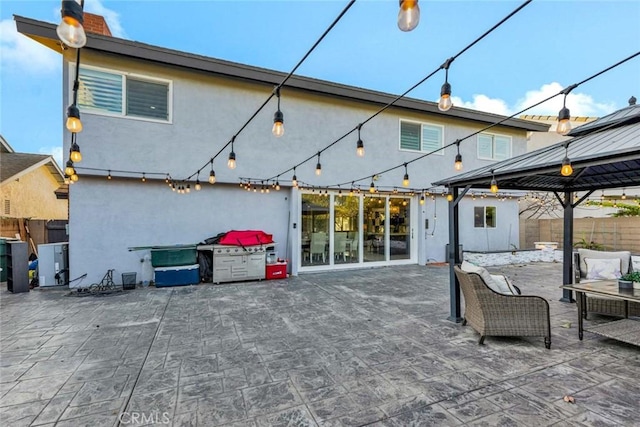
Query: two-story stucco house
x=147 y=109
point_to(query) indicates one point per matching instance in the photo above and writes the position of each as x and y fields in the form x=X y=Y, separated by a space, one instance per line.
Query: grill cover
x=245 y=238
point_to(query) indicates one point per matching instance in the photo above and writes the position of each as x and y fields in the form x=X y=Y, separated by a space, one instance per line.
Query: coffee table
x=625 y=330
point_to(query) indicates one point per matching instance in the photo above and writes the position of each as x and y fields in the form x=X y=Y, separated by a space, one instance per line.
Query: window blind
x=99 y=90
x=410 y=136
x=147 y=99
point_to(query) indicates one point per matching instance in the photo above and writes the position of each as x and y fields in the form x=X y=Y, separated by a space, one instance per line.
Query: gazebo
x=603 y=154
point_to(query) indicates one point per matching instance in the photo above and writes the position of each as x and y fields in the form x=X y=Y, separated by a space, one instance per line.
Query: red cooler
x=276 y=271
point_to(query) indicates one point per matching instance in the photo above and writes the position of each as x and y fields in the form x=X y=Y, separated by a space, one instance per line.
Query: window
x=420 y=136
x=484 y=217
x=494 y=147
x=119 y=94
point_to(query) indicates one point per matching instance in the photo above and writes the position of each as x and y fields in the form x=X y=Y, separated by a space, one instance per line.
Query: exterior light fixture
x=144 y=178
x=188 y=189
x=212 y=177
x=564 y=116
x=405 y=179
x=69 y=169
x=294 y=179
x=422 y=199
x=409 y=15
x=70 y=30
x=360 y=144
x=494 y=184
x=457 y=165
x=624 y=196
x=109 y=175
x=566 y=170
x=277 y=185
x=445 y=104
x=75 y=154
x=278 y=119
x=198 y=186
x=318 y=166
x=372 y=187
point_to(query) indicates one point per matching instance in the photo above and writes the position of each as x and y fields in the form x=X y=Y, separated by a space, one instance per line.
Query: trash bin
x=128 y=281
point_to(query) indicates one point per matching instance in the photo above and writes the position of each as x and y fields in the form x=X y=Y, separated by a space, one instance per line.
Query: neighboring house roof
x=607 y=155
x=45 y=33
x=14 y=165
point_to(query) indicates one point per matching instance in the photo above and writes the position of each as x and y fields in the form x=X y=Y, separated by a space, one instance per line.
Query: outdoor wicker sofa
x=602 y=305
x=494 y=314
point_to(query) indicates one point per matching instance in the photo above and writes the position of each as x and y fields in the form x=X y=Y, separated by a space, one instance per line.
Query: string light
x=624 y=196
x=74 y=177
x=409 y=15
x=188 y=189
x=445 y=104
x=231 y=163
x=360 y=144
x=109 y=175
x=422 y=199
x=277 y=185
x=566 y=170
x=69 y=169
x=71 y=30
x=198 y=186
x=73 y=119
x=564 y=116
x=278 y=118
x=449 y=197
x=405 y=179
x=294 y=179
x=318 y=166
x=144 y=178
x=457 y=165
x=212 y=174
x=494 y=183
x=372 y=187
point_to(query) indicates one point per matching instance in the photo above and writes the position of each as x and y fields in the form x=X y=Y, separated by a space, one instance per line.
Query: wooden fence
x=34 y=231
x=610 y=233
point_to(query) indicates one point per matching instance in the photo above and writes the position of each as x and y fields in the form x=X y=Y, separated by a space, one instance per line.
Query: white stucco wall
x=207 y=111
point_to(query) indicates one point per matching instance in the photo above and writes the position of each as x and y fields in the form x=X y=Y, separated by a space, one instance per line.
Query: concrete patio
x=364 y=347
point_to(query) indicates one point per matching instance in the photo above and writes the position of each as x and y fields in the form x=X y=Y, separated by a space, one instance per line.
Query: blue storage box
x=177 y=275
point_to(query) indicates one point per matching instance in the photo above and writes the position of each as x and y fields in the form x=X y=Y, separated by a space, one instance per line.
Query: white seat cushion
x=498 y=283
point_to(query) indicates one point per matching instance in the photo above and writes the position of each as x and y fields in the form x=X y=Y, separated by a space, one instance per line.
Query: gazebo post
x=567 y=247
x=454 y=258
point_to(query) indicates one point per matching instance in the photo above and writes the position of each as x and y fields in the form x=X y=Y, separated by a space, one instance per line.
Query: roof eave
x=45 y=34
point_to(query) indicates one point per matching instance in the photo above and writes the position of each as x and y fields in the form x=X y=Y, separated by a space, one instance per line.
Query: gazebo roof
x=604 y=154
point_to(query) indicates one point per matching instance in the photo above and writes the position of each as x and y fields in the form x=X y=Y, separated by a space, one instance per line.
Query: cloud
x=19 y=53
x=112 y=17
x=56 y=152
x=580 y=104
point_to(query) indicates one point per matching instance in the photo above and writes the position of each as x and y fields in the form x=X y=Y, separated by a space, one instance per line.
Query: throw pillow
x=635 y=263
x=603 y=269
x=499 y=286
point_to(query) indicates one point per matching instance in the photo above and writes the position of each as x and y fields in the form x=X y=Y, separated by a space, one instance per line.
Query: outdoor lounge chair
x=494 y=314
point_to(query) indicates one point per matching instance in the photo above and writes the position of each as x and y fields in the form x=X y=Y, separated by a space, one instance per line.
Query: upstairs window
x=417 y=136
x=494 y=147
x=119 y=94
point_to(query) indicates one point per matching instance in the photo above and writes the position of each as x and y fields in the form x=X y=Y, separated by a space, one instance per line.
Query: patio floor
x=363 y=347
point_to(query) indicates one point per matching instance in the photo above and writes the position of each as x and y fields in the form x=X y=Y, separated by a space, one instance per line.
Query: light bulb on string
x=564 y=116
x=278 y=119
x=277 y=184
x=294 y=179
x=231 y=163
x=318 y=166
x=144 y=177
x=405 y=179
x=74 y=177
x=212 y=174
x=494 y=184
x=109 y=175
x=409 y=15
x=359 y=144
x=372 y=187
x=69 y=169
x=444 y=103
x=457 y=165
x=422 y=199
x=566 y=169
x=74 y=125
x=71 y=30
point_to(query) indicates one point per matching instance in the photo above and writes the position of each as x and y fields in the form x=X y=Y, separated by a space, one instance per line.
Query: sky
x=545 y=47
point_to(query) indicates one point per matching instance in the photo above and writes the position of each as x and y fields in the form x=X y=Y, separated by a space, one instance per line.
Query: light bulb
x=405 y=180
x=360 y=148
x=566 y=170
x=294 y=181
x=198 y=186
x=71 y=32
x=494 y=186
x=449 y=197
x=75 y=154
x=73 y=119
x=212 y=177
x=318 y=169
x=372 y=188
x=564 y=121
x=409 y=15
x=458 y=163
x=624 y=196
x=278 y=124
x=422 y=200
x=231 y=163
x=109 y=176
x=277 y=186
x=445 y=104
x=69 y=170
x=188 y=190
x=74 y=177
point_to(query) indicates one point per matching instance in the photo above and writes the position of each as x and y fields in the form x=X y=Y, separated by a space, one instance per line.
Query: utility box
x=53 y=264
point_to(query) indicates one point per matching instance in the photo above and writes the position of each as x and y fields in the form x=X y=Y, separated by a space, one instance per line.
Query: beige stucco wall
x=32 y=196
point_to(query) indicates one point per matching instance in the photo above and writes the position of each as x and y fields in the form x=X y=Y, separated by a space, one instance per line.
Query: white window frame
x=484 y=217
x=125 y=75
x=422 y=150
x=493 y=146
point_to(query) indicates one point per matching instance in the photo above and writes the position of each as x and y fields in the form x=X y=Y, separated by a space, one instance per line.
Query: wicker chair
x=494 y=314
x=603 y=305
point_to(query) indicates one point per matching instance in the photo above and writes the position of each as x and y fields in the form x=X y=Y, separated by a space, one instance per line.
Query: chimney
x=96 y=24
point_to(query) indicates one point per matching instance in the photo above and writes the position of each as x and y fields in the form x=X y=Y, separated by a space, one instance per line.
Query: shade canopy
x=604 y=154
